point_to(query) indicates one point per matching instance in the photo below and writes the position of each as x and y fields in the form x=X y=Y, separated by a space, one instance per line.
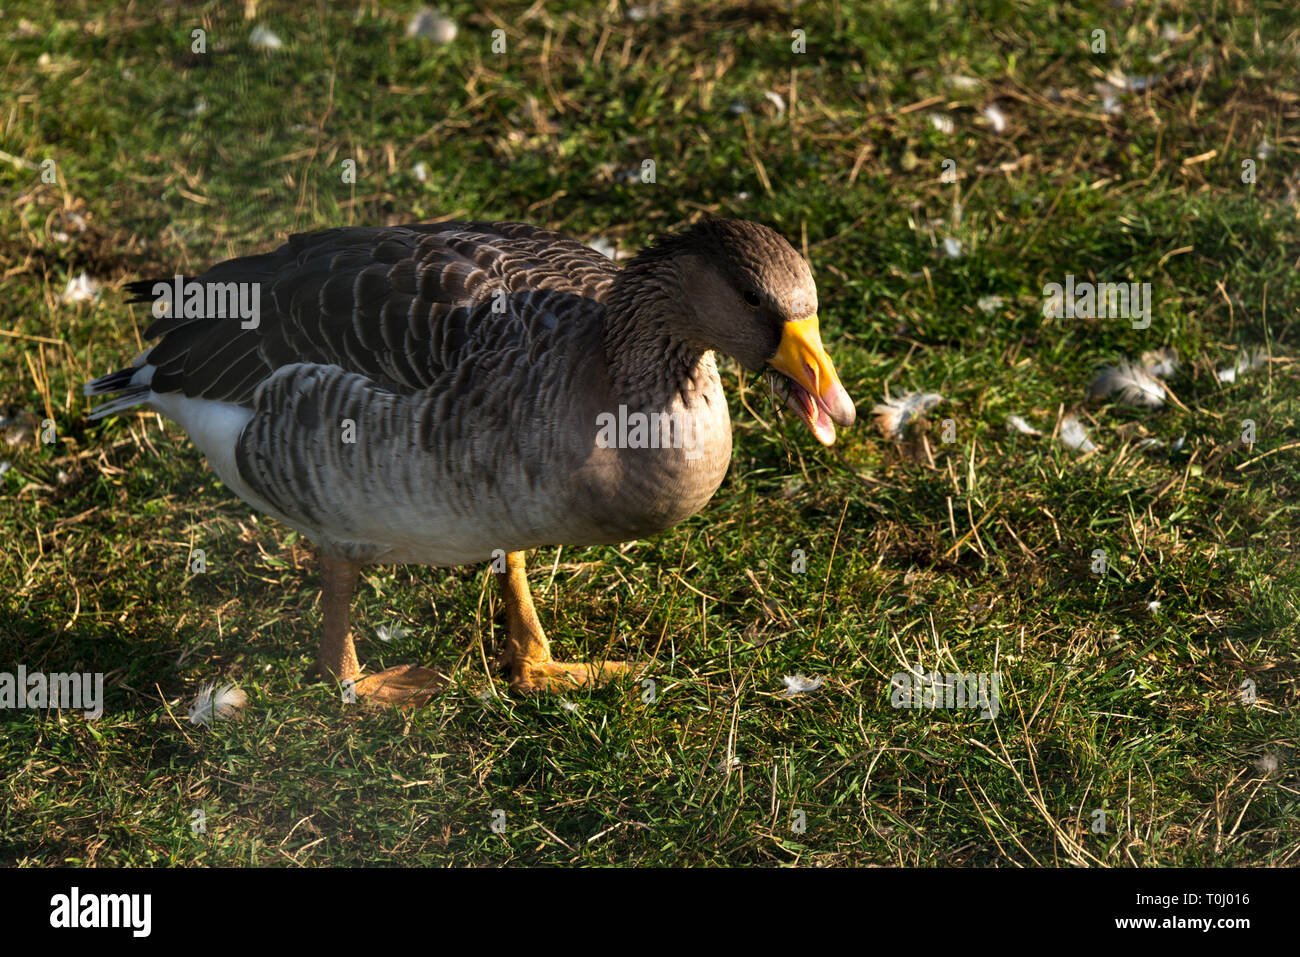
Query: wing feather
x=401 y=306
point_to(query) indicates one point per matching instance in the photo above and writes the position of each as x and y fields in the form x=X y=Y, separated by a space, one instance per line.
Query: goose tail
x=126 y=387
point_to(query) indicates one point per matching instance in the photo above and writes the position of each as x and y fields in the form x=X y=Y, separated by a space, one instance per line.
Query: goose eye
x=751 y=299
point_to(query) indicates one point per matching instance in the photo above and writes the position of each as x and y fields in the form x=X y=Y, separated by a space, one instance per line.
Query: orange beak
x=815 y=393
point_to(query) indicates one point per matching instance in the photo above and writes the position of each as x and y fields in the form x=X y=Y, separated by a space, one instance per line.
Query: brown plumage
x=447 y=393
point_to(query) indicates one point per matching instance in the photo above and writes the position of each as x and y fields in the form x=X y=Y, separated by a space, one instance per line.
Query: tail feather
x=132 y=386
x=130 y=397
x=113 y=382
x=127 y=387
x=142 y=289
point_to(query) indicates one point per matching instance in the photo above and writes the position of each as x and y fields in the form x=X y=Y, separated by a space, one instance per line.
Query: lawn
x=939 y=164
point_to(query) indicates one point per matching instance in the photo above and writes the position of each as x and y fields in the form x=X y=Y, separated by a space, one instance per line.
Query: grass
x=973 y=555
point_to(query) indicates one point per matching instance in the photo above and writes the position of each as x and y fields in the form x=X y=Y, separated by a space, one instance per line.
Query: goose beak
x=813 y=389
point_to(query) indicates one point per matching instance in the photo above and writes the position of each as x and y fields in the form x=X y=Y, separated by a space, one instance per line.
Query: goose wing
x=399 y=305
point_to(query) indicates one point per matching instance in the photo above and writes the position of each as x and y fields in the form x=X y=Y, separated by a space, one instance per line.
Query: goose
x=460 y=392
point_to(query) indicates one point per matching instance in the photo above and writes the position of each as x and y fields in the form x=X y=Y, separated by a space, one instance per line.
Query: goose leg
x=337 y=657
x=527 y=654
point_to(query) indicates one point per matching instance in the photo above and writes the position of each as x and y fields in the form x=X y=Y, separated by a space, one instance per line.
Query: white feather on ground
x=1161 y=363
x=429 y=24
x=942 y=123
x=1016 y=424
x=80 y=288
x=1109 y=98
x=263 y=38
x=216 y=705
x=1267 y=763
x=894 y=415
x=604 y=247
x=1074 y=436
x=389 y=632
x=1247 y=360
x=798 y=684
x=1132 y=383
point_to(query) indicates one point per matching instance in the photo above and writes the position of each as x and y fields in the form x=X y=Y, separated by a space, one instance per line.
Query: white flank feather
x=997 y=119
x=894 y=415
x=1132 y=383
x=1074 y=436
x=798 y=684
x=216 y=704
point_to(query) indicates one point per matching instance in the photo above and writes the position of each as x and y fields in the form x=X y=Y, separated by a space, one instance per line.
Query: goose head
x=745 y=292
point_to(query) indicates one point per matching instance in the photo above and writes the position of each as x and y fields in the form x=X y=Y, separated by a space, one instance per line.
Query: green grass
x=969 y=556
